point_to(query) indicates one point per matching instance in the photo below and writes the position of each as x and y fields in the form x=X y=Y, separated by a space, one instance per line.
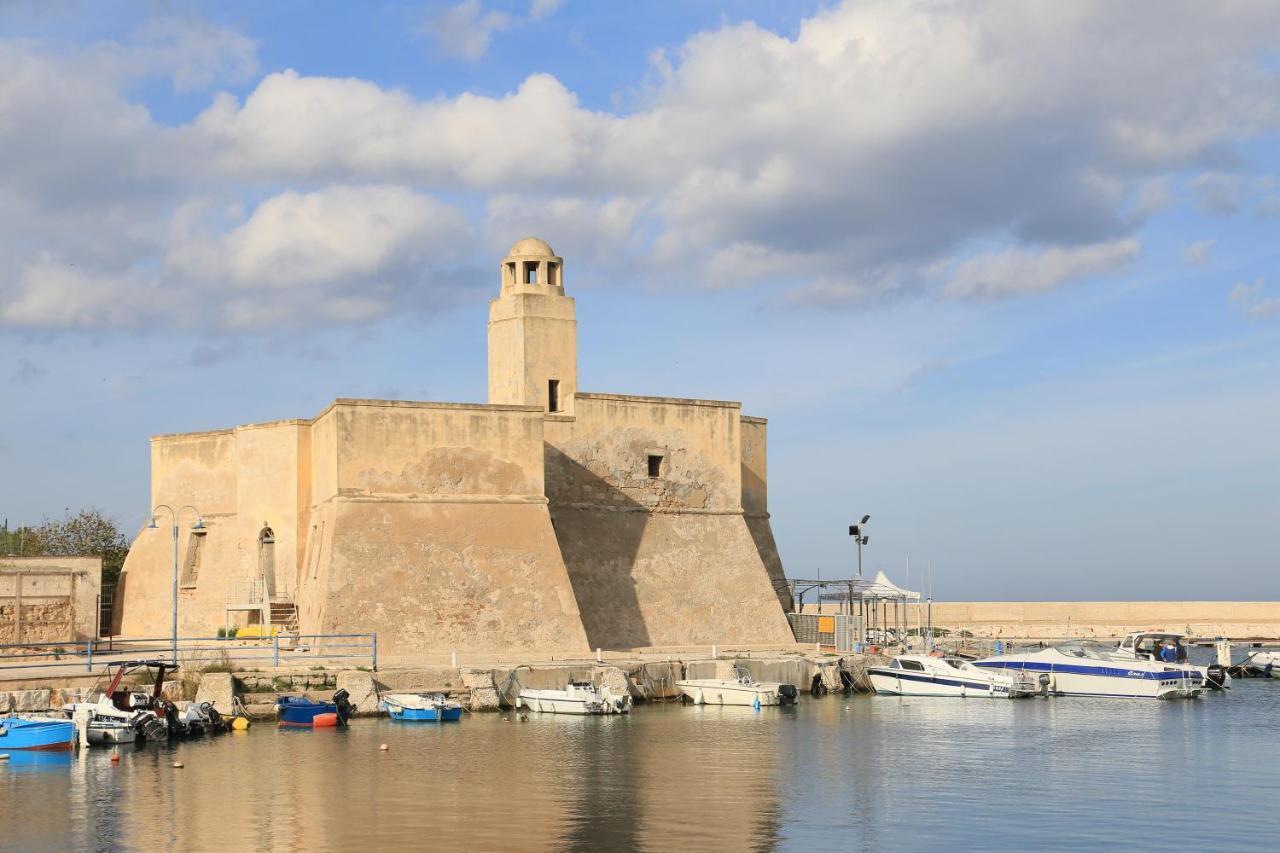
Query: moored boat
x=305 y=712
x=36 y=733
x=1148 y=645
x=1266 y=660
x=922 y=675
x=435 y=707
x=742 y=690
x=1080 y=668
x=578 y=697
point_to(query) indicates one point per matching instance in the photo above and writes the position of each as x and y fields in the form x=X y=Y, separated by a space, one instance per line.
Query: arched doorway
x=267 y=559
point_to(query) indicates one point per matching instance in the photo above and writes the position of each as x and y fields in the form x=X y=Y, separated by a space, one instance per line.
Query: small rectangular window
x=511 y=272
x=551 y=274
x=915 y=666
x=530 y=272
x=553 y=395
x=655 y=465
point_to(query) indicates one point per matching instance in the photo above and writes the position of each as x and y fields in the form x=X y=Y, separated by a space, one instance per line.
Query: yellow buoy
x=239 y=724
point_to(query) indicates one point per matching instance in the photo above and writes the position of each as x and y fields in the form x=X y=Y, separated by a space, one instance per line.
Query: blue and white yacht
x=1080 y=668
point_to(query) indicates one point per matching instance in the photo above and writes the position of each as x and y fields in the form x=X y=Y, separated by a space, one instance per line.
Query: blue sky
x=1003 y=277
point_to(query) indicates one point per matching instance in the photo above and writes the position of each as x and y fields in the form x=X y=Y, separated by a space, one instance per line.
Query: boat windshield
x=1083 y=649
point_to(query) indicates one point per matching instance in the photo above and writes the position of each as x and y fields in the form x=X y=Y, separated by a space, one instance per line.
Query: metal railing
x=274 y=651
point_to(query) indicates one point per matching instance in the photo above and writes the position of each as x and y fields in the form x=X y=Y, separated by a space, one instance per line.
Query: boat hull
x=711 y=692
x=424 y=715
x=1110 y=681
x=560 y=702
x=306 y=715
x=31 y=734
x=111 y=733
x=891 y=682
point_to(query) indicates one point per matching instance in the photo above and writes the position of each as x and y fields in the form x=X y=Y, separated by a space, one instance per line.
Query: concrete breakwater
x=487 y=688
x=1240 y=620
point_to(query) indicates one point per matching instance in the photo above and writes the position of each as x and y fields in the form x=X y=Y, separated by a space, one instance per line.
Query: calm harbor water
x=860 y=773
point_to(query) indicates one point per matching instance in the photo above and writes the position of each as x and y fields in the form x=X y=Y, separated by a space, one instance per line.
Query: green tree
x=88 y=533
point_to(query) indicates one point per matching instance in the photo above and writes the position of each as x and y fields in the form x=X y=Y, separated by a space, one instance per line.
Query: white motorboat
x=108 y=731
x=1267 y=660
x=742 y=690
x=923 y=675
x=579 y=697
x=1080 y=668
x=1147 y=645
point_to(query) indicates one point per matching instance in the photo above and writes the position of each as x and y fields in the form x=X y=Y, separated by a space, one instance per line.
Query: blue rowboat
x=428 y=709
x=33 y=733
x=302 y=711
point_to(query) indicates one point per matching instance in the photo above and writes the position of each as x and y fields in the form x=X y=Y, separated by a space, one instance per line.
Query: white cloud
x=1219 y=192
x=1253 y=300
x=464 y=30
x=539 y=9
x=1020 y=271
x=1197 y=253
x=860 y=159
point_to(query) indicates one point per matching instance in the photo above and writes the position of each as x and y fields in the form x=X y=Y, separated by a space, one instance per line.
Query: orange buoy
x=115 y=757
x=325 y=721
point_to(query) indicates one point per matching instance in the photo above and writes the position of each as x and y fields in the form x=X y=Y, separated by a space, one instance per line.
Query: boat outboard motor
x=846 y=682
x=346 y=710
x=175 y=726
x=1044 y=683
x=213 y=720
x=816 y=687
x=787 y=694
x=1216 y=676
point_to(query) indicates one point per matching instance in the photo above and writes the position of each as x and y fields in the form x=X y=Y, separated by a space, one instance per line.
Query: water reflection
x=854 y=773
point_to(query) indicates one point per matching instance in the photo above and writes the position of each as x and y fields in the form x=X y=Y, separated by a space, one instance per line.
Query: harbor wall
x=1053 y=619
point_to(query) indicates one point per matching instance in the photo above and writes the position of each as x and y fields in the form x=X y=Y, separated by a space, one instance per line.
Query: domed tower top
x=532 y=267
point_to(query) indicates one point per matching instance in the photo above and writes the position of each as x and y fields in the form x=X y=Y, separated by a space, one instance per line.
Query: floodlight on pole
x=860 y=538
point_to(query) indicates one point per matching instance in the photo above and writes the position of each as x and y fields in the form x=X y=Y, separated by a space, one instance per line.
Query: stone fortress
x=548 y=519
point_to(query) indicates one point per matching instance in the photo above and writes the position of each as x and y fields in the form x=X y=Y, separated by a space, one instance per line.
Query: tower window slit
x=553 y=395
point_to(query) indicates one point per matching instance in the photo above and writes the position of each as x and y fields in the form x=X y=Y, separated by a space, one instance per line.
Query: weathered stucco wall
x=434 y=449
x=200 y=470
x=1044 y=619
x=438 y=535
x=666 y=560
x=470 y=576
x=49 y=599
x=755 y=503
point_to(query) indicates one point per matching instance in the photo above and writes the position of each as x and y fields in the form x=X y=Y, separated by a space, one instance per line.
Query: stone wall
x=1053 y=619
x=49 y=599
x=666 y=560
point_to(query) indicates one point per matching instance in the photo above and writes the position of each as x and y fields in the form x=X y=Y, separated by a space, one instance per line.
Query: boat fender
x=756 y=705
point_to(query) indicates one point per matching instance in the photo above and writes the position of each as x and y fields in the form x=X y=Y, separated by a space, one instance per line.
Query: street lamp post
x=198 y=524
x=858 y=532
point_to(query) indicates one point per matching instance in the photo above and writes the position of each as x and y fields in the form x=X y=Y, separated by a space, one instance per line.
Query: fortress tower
x=533 y=333
x=548 y=520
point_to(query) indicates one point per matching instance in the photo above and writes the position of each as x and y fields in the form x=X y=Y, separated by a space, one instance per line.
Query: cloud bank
x=888 y=149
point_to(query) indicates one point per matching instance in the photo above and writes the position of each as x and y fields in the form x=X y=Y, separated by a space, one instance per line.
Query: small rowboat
x=36 y=733
x=411 y=706
x=305 y=712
